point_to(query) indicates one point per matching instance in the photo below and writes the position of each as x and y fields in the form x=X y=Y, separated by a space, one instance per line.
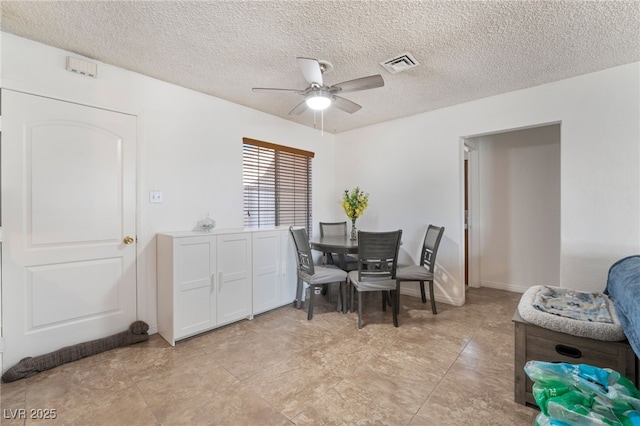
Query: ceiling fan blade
x=273 y=89
x=311 y=70
x=362 y=83
x=345 y=104
x=299 y=109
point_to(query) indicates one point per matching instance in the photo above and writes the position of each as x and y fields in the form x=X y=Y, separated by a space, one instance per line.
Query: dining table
x=340 y=245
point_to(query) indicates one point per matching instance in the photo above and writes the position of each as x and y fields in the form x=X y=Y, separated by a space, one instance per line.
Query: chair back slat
x=333 y=229
x=303 y=250
x=430 y=246
x=378 y=254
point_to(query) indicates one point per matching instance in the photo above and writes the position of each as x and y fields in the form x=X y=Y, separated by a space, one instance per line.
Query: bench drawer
x=540 y=344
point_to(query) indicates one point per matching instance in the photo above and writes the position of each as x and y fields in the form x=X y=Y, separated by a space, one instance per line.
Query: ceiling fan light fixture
x=318 y=101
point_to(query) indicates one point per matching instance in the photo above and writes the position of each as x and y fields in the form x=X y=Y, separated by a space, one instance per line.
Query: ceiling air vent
x=400 y=63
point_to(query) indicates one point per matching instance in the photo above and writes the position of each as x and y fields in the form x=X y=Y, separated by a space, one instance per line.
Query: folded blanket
x=623 y=288
x=537 y=300
x=568 y=303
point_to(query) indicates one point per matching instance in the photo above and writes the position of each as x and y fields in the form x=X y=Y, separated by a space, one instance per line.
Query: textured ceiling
x=467 y=49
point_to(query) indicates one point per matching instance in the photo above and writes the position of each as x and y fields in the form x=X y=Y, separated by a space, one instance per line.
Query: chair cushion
x=413 y=273
x=325 y=275
x=371 y=284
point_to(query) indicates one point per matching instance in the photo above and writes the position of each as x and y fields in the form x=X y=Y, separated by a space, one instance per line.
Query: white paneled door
x=68 y=222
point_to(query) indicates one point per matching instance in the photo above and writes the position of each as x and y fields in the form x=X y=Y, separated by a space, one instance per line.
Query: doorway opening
x=512 y=210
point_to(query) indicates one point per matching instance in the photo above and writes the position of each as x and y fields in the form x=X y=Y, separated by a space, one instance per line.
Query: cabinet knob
x=128 y=240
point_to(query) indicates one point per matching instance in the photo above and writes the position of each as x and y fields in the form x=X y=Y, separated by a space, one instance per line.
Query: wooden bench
x=534 y=343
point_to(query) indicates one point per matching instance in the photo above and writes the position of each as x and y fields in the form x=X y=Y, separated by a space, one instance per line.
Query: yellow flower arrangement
x=354 y=202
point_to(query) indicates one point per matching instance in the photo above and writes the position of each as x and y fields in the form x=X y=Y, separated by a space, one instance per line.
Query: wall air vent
x=400 y=63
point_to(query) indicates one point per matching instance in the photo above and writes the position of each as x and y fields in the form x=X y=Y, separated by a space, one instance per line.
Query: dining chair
x=337 y=229
x=424 y=271
x=377 y=263
x=315 y=276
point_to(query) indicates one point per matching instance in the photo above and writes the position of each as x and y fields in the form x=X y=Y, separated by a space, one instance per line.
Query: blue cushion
x=623 y=287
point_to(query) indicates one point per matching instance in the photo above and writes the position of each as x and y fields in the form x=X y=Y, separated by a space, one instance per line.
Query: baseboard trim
x=502 y=286
x=415 y=292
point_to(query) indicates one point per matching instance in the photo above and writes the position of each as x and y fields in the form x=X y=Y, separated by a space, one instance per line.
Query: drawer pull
x=568 y=351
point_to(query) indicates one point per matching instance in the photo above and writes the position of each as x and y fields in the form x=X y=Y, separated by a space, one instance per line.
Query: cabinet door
x=234 y=277
x=195 y=297
x=267 y=289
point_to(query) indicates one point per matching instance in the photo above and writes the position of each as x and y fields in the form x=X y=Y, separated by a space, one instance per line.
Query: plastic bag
x=543 y=420
x=581 y=394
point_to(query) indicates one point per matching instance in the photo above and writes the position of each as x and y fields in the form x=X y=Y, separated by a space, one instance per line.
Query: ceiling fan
x=318 y=96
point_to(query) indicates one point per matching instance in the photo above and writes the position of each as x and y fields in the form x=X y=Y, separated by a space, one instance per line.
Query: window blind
x=277 y=185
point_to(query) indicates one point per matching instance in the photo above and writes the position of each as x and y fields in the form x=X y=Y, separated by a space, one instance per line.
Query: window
x=277 y=185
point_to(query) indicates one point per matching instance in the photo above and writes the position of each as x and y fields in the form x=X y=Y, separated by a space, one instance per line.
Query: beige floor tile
x=487 y=348
x=468 y=395
x=13 y=403
x=291 y=385
x=446 y=322
x=122 y=407
x=86 y=392
x=348 y=404
x=197 y=381
x=145 y=362
x=342 y=355
x=220 y=338
x=395 y=382
x=71 y=385
x=256 y=352
x=238 y=405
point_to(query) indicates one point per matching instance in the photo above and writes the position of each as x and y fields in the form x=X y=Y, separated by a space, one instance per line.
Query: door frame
x=470 y=153
x=142 y=293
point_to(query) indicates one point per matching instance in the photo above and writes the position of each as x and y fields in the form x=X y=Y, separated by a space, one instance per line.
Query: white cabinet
x=234 y=277
x=206 y=280
x=274 y=270
x=186 y=285
x=267 y=267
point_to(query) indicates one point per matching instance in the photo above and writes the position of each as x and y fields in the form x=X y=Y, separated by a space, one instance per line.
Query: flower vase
x=354 y=230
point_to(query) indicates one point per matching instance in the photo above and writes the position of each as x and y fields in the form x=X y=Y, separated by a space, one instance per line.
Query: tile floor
x=454 y=368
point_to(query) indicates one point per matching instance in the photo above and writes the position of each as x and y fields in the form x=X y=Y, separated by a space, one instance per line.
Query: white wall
x=413 y=169
x=519 y=208
x=189 y=145
x=190 y=148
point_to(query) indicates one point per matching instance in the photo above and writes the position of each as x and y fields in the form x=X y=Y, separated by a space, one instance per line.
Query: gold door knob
x=128 y=240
